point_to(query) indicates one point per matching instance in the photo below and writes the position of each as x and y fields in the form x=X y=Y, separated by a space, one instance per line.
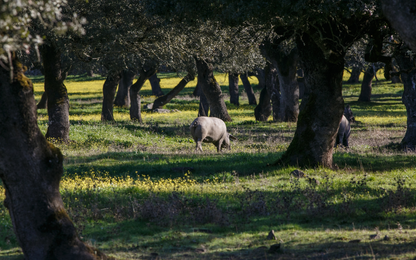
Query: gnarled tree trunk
x=155 y=83
x=366 y=85
x=408 y=74
x=212 y=90
x=263 y=110
x=31 y=169
x=109 y=91
x=355 y=76
x=163 y=100
x=123 y=93
x=289 y=88
x=233 y=88
x=135 y=108
x=197 y=91
x=249 y=90
x=42 y=102
x=57 y=96
x=320 y=112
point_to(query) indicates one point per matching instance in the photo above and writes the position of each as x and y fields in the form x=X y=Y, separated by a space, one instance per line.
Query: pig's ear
x=232 y=137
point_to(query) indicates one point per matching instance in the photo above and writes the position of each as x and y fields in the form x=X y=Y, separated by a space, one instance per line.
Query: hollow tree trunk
x=212 y=90
x=58 y=102
x=109 y=91
x=233 y=88
x=366 y=85
x=163 y=100
x=123 y=93
x=42 y=102
x=321 y=111
x=30 y=169
x=249 y=90
x=288 y=84
x=263 y=110
x=408 y=74
x=135 y=108
x=155 y=83
x=355 y=76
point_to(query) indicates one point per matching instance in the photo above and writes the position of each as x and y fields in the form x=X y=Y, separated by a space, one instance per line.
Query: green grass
x=136 y=190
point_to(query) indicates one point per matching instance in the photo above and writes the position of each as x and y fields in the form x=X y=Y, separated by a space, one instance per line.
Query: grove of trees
x=194 y=37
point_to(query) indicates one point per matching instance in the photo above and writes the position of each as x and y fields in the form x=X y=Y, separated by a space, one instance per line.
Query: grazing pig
x=345 y=127
x=210 y=130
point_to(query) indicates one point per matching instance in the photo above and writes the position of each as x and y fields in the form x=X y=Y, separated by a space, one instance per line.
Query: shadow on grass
x=170 y=165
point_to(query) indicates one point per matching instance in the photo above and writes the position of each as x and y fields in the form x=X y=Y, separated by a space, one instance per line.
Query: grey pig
x=210 y=130
x=345 y=127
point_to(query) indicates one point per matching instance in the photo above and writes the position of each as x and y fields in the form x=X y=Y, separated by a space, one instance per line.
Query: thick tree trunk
x=135 y=108
x=109 y=91
x=366 y=85
x=233 y=88
x=163 y=100
x=212 y=90
x=408 y=74
x=263 y=110
x=302 y=88
x=155 y=83
x=58 y=102
x=321 y=111
x=123 y=93
x=42 y=102
x=197 y=90
x=30 y=169
x=249 y=90
x=355 y=76
x=401 y=14
x=289 y=88
x=203 y=105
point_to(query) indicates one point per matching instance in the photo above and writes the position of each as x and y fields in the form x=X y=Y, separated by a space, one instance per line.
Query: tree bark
x=263 y=110
x=272 y=86
x=58 y=102
x=203 y=105
x=197 y=91
x=155 y=83
x=42 y=102
x=109 y=91
x=123 y=93
x=135 y=108
x=408 y=74
x=212 y=90
x=163 y=100
x=355 y=76
x=233 y=88
x=249 y=90
x=366 y=85
x=288 y=84
x=401 y=14
x=30 y=169
x=321 y=111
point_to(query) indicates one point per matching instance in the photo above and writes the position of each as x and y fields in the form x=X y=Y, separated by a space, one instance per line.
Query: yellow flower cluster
x=102 y=181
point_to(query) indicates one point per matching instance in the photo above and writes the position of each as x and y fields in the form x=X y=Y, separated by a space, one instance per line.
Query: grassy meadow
x=139 y=191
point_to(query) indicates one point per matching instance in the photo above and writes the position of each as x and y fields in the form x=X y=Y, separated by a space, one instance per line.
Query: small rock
x=271 y=235
x=274 y=249
x=148 y=106
x=298 y=174
x=161 y=110
x=355 y=241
